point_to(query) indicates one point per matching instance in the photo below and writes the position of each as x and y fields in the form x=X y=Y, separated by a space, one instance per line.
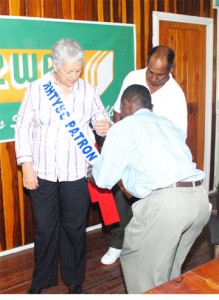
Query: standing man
x=168 y=101
x=149 y=154
x=54 y=146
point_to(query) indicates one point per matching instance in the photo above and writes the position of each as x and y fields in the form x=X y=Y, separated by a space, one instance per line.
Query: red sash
x=106 y=203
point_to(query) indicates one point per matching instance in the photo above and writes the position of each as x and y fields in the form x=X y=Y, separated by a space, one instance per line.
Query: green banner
x=25 y=56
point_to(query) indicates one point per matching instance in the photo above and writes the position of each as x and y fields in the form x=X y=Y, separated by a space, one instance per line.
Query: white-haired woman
x=53 y=146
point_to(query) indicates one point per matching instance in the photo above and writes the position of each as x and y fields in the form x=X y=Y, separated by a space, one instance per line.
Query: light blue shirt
x=147 y=152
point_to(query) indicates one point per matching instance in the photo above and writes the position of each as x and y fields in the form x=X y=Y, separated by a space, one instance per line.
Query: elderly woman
x=54 y=146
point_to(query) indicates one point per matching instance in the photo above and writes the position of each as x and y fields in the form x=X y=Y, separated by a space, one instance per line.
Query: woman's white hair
x=67 y=50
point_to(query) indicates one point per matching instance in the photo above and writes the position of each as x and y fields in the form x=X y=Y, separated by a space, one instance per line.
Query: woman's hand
x=30 y=181
x=101 y=127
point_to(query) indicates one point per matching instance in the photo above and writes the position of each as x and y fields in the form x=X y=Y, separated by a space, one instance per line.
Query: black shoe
x=75 y=289
x=34 y=290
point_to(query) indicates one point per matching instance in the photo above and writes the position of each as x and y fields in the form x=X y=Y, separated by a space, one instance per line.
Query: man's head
x=134 y=98
x=160 y=64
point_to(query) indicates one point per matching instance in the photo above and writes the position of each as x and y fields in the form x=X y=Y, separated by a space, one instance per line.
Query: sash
x=82 y=142
x=106 y=202
x=87 y=149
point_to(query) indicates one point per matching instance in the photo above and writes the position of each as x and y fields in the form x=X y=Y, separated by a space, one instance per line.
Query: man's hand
x=90 y=175
x=30 y=181
x=120 y=184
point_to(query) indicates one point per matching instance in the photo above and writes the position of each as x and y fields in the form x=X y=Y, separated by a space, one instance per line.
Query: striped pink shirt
x=40 y=136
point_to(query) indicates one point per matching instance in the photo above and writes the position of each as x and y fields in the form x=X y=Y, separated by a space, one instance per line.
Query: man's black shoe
x=34 y=290
x=75 y=289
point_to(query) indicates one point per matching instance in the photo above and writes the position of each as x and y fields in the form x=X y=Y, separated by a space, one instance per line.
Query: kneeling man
x=149 y=155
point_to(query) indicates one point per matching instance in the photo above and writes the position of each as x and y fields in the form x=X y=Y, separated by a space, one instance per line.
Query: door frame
x=208 y=22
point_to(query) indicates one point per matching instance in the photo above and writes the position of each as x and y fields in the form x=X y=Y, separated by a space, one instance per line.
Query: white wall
x=216 y=172
x=216 y=178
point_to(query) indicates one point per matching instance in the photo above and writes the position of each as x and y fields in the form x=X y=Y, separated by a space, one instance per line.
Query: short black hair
x=139 y=94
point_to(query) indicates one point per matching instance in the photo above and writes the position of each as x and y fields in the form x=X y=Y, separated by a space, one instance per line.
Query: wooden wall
x=16 y=226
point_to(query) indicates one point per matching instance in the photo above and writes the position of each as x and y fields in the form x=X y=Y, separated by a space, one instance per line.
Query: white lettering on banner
x=3 y=70
x=2 y=124
x=84 y=145
x=14 y=118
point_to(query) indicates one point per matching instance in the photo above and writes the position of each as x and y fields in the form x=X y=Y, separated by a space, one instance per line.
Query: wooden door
x=188 y=41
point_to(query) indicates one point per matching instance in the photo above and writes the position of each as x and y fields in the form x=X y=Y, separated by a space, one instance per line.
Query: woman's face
x=69 y=73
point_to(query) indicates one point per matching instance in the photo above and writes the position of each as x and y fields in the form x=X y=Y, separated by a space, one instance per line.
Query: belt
x=186 y=183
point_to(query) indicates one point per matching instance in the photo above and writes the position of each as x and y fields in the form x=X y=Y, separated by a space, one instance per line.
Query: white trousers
x=160 y=234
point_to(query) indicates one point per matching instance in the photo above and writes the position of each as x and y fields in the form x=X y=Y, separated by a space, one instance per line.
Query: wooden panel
x=137 y=16
x=34 y=8
x=17 y=8
x=4 y=7
x=129 y=11
x=114 y=11
x=201 y=280
x=190 y=74
x=122 y=11
x=49 y=9
x=2 y=215
x=91 y=10
x=79 y=10
x=10 y=196
x=210 y=271
x=106 y=11
x=160 y=5
x=144 y=41
x=65 y=9
x=192 y=129
x=28 y=219
x=189 y=283
x=15 y=208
